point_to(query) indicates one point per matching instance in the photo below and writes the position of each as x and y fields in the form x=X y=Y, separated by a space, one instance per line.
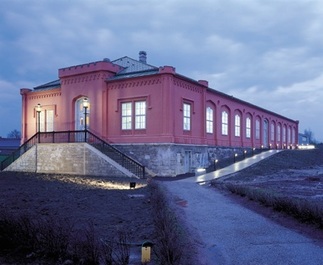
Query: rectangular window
x=209 y=120
x=257 y=129
x=284 y=134
x=126 y=116
x=224 y=123
x=248 y=128
x=140 y=115
x=237 y=125
x=278 y=133
x=186 y=117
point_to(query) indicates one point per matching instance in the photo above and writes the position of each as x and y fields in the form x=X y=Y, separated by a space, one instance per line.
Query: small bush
x=54 y=238
x=169 y=236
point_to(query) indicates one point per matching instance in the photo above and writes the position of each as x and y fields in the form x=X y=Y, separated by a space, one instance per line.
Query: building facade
x=165 y=120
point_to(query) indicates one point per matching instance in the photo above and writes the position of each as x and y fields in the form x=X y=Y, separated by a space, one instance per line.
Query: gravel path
x=228 y=233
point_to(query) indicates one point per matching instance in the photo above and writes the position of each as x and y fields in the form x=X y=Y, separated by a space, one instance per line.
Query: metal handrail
x=74 y=137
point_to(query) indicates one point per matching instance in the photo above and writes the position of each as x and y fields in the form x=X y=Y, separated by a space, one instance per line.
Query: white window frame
x=224 y=122
x=140 y=115
x=187 y=116
x=288 y=135
x=248 y=127
x=126 y=115
x=257 y=129
x=209 y=120
x=272 y=132
x=237 y=125
x=284 y=134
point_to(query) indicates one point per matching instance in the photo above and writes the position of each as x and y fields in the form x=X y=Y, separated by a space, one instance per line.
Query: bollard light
x=146 y=252
x=215 y=162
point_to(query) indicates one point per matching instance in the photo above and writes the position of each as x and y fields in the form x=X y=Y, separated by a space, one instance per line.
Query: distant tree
x=14 y=134
x=310 y=136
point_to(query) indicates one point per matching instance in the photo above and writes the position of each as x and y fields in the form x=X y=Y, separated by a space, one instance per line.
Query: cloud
x=300 y=101
x=252 y=49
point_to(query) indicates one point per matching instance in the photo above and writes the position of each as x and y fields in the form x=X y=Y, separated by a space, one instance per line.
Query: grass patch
x=301 y=209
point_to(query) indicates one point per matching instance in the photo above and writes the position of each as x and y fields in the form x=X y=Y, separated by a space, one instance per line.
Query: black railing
x=74 y=137
x=19 y=152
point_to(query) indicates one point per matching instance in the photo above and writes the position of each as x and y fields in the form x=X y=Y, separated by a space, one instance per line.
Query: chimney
x=143 y=57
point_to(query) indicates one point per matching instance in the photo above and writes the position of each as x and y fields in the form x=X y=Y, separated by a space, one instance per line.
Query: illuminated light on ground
x=306 y=147
x=96 y=183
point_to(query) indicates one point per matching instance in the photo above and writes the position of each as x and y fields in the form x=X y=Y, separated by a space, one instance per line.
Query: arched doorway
x=80 y=114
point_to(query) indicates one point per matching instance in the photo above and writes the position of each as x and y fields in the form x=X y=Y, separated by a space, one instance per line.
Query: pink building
x=167 y=121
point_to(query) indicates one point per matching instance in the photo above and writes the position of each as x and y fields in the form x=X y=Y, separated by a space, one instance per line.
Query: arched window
x=278 y=133
x=284 y=134
x=248 y=127
x=237 y=125
x=209 y=120
x=257 y=129
x=293 y=136
x=225 y=123
x=272 y=132
x=288 y=135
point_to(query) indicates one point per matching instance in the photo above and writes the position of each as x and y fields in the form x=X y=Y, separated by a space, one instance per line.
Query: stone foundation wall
x=69 y=158
x=174 y=159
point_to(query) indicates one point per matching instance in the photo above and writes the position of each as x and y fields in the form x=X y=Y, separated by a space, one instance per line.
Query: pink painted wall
x=164 y=94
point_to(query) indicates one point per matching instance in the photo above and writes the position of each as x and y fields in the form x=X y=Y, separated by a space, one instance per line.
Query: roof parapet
x=203 y=83
x=24 y=91
x=104 y=65
x=167 y=70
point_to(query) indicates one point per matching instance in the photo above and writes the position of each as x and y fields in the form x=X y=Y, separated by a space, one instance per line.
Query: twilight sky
x=266 y=52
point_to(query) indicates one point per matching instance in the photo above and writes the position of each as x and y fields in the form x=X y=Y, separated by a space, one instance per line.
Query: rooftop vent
x=143 y=57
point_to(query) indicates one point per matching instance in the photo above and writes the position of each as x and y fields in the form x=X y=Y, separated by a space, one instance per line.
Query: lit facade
x=132 y=102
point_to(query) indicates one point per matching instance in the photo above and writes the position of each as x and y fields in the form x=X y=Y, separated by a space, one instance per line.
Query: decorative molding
x=84 y=78
x=187 y=85
x=134 y=83
x=45 y=95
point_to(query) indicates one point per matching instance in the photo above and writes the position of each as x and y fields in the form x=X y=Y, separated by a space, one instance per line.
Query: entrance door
x=80 y=115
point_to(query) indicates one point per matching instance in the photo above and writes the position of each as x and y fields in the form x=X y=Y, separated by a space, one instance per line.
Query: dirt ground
x=109 y=204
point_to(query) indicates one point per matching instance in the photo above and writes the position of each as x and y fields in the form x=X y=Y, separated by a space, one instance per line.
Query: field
x=104 y=205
